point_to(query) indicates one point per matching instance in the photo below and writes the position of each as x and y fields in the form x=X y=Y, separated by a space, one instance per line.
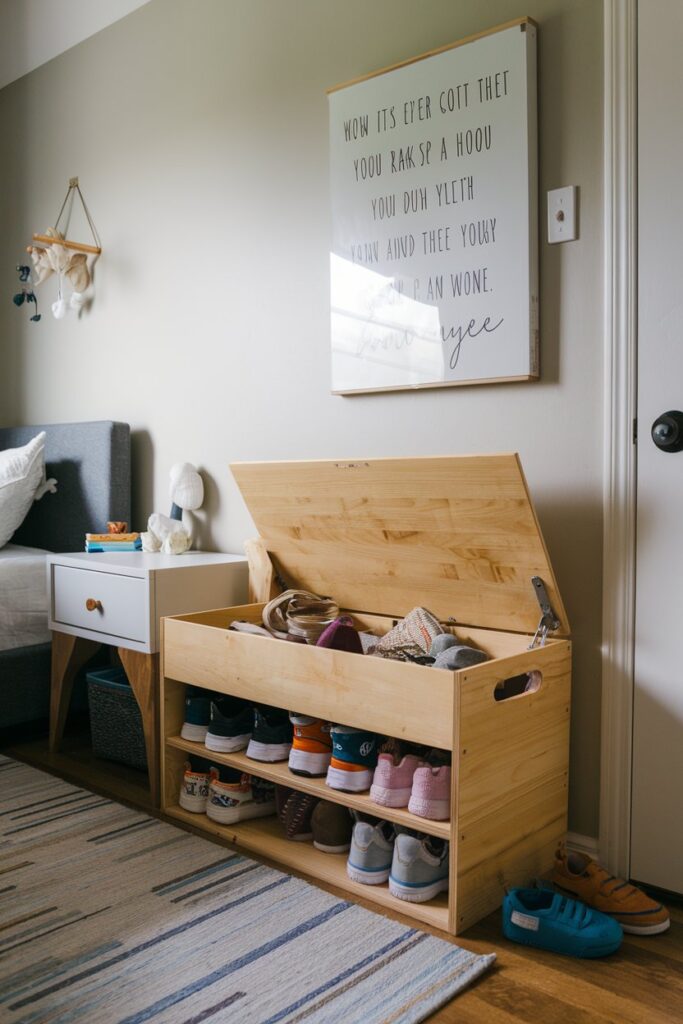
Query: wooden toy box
x=459 y=536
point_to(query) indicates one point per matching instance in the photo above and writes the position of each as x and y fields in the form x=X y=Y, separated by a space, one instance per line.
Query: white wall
x=34 y=31
x=199 y=132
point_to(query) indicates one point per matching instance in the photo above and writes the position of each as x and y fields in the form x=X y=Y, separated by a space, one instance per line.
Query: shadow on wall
x=142 y=483
x=572 y=529
x=201 y=521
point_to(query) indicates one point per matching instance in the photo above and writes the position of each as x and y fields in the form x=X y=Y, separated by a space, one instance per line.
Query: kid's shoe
x=271 y=737
x=577 y=875
x=194 y=789
x=419 y=868
x=236 y=797
x=296 y=816
x=331 y=825
x=549 y=920
x=392 y=783
x=372 y=850
x=311 y=746
x=354 y=756
x=230 y=725
x=197 y=714
x=431 y=794
x=282 y=795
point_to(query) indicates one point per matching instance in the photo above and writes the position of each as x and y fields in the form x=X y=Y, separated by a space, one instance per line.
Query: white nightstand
x=118 y=599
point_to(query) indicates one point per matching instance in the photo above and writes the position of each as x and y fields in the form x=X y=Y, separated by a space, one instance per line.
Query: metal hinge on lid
x=549 y=621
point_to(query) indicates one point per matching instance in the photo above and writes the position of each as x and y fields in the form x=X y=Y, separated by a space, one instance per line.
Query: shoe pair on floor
x=416 y=867
x=225 y=795
x=585 y=914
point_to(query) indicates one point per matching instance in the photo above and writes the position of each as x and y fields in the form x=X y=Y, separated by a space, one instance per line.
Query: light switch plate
x=562 y=214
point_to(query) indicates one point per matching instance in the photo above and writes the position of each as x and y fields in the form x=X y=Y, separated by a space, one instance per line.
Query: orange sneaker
x=311 y=747
x=579 y=876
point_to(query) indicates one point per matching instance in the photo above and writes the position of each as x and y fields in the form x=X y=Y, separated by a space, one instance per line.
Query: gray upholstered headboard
x=91 y=462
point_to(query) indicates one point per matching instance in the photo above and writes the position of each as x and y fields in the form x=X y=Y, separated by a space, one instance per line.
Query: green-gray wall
x=199 y=131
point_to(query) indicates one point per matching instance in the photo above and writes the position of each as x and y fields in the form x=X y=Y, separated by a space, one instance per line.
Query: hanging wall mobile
x=72 y=263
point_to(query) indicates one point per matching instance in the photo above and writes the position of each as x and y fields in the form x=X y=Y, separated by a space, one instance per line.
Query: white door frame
x=620 y=395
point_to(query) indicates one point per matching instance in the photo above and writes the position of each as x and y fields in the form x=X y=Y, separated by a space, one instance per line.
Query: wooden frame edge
x=438 y=384
x=619 y=462
x=522 y=22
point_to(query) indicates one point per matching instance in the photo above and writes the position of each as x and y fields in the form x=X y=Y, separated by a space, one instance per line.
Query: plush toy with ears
x=57 y=259
x=42 y=267
x=168 y=533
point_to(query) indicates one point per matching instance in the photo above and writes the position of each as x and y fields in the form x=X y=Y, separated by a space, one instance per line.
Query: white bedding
x=23 y=597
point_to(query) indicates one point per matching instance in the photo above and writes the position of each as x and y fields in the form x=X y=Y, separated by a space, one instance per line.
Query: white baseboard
x=583 y=844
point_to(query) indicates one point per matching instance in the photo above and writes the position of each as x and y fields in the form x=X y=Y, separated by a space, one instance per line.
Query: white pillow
x=22 y=472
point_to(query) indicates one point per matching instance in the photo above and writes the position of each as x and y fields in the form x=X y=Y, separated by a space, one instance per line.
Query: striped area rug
x=109 y=916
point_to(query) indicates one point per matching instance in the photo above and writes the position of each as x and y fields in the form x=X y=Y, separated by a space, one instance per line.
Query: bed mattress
x=23 y=597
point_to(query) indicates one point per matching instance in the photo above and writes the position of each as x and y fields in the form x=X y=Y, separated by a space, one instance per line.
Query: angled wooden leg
x=143 y=675
x=69 y=654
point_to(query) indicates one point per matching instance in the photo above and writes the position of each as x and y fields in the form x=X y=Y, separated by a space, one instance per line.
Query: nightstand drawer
x=101 y=601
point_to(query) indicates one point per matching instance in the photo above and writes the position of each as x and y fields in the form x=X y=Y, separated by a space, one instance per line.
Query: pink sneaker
x=392 y=783
x=431 y=795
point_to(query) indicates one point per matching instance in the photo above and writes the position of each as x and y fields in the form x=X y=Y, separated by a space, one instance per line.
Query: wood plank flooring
x=641 y=984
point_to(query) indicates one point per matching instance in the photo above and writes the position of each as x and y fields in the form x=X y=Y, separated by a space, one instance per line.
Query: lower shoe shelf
x=281 y=775
x=264 y=836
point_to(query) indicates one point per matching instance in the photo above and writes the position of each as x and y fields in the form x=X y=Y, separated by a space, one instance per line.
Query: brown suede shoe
x=332 y=826
x=577 y=875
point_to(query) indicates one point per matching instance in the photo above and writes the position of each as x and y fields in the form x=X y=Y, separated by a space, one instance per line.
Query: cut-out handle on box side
x=518 y=686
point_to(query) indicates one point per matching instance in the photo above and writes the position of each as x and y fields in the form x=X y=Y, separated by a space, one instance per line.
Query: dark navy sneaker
x=230 y=728
x=271 y=738
x=197 y=714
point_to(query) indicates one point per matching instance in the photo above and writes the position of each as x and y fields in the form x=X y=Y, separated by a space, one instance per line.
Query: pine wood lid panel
x=458 y=535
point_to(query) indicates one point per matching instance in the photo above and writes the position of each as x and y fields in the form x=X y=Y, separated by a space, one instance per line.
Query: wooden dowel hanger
x=76 y=246
x=72 y=191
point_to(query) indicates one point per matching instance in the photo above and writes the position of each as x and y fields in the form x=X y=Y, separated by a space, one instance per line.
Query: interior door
x=657 y=783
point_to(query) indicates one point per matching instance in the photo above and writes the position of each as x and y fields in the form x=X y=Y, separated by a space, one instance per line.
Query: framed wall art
x=434 y=259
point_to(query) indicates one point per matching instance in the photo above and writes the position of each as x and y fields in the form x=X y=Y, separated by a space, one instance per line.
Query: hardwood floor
x=641 y=984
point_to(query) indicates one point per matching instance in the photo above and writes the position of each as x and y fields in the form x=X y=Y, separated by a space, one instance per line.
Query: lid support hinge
x=549 y=621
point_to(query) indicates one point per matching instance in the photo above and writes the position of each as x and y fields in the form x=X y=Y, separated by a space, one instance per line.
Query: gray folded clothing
x=442 y=642
x=459 y=656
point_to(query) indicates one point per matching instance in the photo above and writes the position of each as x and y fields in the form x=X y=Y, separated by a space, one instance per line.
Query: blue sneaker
x=543 y=918
x=354 y=757
x=419 y=868
x=231 y=725
x=197 y=714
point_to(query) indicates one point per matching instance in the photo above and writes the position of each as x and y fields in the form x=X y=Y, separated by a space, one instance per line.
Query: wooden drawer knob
x=92 y=605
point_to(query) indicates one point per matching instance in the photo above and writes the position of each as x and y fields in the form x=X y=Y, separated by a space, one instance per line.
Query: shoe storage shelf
x=459 y=536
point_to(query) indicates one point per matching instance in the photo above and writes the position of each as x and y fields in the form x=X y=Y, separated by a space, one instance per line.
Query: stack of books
x=113 y=542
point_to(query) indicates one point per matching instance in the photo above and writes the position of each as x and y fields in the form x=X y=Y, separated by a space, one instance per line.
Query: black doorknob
x=667 y=431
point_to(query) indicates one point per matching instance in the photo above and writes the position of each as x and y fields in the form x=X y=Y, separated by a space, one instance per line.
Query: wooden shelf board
x=76 y=763
x=281 y=775
x=264 y=836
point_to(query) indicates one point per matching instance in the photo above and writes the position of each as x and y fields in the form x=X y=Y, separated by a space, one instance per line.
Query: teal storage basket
x=115 y=719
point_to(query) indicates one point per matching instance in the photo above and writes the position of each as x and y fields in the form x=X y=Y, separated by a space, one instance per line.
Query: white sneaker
x=194 y=790
x=419 y=869
x=249 y=797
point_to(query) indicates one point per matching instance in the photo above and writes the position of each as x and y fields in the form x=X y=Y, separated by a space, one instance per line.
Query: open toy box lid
x=456 y=534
